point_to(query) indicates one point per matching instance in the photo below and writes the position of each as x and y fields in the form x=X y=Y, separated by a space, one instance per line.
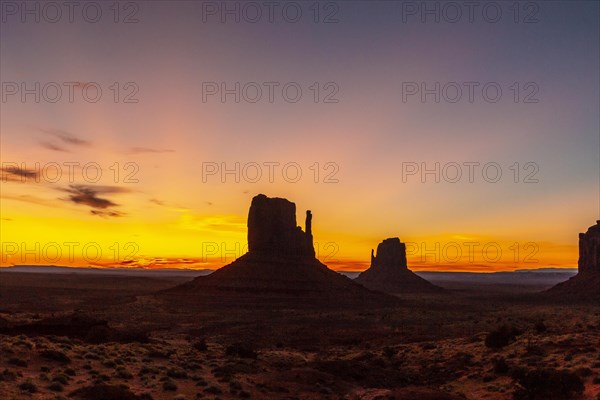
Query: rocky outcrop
x=272 y=229
x=586 y=284
x=280 y=268
x=391 y=255
x=389 y=272
x=589 y=251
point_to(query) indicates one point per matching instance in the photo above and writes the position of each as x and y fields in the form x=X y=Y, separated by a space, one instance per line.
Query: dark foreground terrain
x=107 y=337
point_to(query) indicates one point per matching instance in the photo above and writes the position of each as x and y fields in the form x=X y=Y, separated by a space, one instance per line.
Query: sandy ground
x=432 y=347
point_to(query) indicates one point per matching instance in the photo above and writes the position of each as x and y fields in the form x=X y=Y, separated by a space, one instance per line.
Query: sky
x=136 y=134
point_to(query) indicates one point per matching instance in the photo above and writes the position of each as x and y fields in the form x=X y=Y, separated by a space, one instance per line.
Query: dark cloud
x=143 y=150
x=89 y=198
x=106 y=214
x=95 y=197
x=67 y=137
x=158 y=202
x=18 y=174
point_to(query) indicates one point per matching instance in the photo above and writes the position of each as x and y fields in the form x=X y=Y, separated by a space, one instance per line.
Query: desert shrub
x=28 y=386
x=17 y=362
x=56 y=387
x=547 y=384
x=98 y=334
x=240 y=350
x=176 y=373
x=169 y=386
x=123 y=373
x=200 y=345
x=213 y=390
x=235 y=386
x=584 y=372
x=55 y=355
x=153 y=353
x=63 y=379
x=226 y=371
x=367 y=373
x=500 y=366
x=7 y=375
x=70 y=372
x=191 y=365
x=534 y=350
x=91 y=356
x=460 y=361
x=25 y=343
x=540 y=327
x=104 y=392
x=132 y=335
x=501 y=337
x=109 y=364
x=389 y=352
x=44 y=369
x=201 y=382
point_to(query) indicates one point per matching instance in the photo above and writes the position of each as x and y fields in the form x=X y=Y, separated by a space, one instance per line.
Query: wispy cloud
x=214 y=223
x=53 y=146
x=158 y=202
x=145 y=150
x=106 y=214
x=66 y=137
x=172 y=207
x=30 y=199
x=148 y=262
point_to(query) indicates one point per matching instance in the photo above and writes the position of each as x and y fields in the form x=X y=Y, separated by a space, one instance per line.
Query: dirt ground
x=126 y=343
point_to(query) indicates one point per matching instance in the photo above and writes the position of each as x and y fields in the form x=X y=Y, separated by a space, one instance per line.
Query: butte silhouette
x=586 y=284
x=279 y=267
x=389 y=273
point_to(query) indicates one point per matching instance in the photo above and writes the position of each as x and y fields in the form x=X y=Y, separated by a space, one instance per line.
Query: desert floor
x=428 y=347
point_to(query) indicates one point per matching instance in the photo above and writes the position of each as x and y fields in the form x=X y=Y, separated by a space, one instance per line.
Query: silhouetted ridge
x=389 y=273
x=586 y=284
x=280 y=266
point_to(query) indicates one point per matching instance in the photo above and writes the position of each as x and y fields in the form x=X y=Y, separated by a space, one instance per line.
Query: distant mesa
x=280 y=266
x=586 y=284
x=389 y=272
